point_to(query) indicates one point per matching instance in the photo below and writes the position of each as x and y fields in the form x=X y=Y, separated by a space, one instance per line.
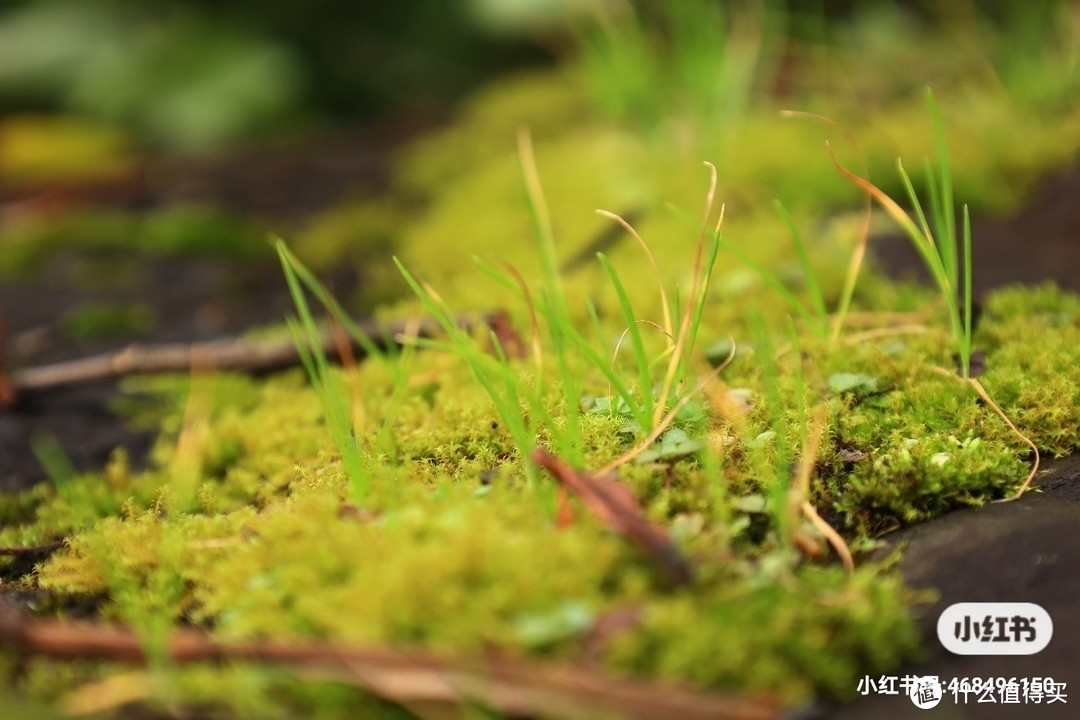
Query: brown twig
x=227 y=354
x=614 y=504
x=31 y=550
x=509 y=685
x=7 y=392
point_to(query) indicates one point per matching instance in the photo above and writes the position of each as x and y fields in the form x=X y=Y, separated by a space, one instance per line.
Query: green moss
x=816 y=630
x=434 y=561
x=1031 y=336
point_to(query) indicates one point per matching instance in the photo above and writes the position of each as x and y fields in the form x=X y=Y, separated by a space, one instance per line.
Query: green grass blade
x=541 y=220
x=302 y=349
x=923 y=240
x=569 y=332
x=948 y=209
x=913 y=197
x=706 y=283
x=965 y=349
x=54 y=461
x=494 y=375
x=298 y=271
x=816 y=296
x=644 y=381
x=779 y=483
x=332 y=395
x=601 y=363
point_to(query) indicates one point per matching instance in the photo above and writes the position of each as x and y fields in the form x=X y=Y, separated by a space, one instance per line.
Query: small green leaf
x=750 y=503
x=570 y=619
x=857 y=383
x=672 y=445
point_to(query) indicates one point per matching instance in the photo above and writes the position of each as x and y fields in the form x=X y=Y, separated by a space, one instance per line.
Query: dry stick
x=615 y=505
x=801 y=492
x=884 y=332
x=508 y=685
x=31 y=550
x=227 y=354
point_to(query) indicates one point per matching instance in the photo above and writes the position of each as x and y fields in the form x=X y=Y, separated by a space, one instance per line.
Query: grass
x=522 y=408
x=334 y=396
x=947 y=258
x=695 y=59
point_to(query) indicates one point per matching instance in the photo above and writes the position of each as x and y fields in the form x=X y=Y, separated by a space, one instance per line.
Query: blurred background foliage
x=194 y=74
x=622 y=96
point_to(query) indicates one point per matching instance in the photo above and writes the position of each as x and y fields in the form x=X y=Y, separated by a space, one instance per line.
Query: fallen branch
x=614 y=504
x=227 y=354
x=508 y=685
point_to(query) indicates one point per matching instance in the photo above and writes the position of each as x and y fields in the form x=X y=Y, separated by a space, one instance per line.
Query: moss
x=824 y=631
x=456 y=551
x=1031 y=336
x=436 y=562
x=927 y=443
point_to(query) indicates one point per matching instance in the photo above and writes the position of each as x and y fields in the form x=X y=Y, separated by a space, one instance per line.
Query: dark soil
x=1022 y=551
x=191 y=299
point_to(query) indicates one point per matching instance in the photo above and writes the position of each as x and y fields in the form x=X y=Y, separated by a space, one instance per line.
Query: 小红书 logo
x=997 y=628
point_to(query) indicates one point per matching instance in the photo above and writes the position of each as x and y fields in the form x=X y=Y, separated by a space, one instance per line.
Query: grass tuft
x=334 y=395
x=935 y=240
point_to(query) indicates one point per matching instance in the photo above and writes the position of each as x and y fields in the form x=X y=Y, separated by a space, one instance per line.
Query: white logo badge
x=1018 y=628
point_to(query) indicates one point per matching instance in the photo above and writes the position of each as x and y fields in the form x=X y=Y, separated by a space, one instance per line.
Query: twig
x=509 y=685
x=31 y=550
x=227 y=354
x=615 y=505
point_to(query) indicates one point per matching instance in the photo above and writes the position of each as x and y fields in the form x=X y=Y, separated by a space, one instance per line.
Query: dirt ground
x=1022 y=551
